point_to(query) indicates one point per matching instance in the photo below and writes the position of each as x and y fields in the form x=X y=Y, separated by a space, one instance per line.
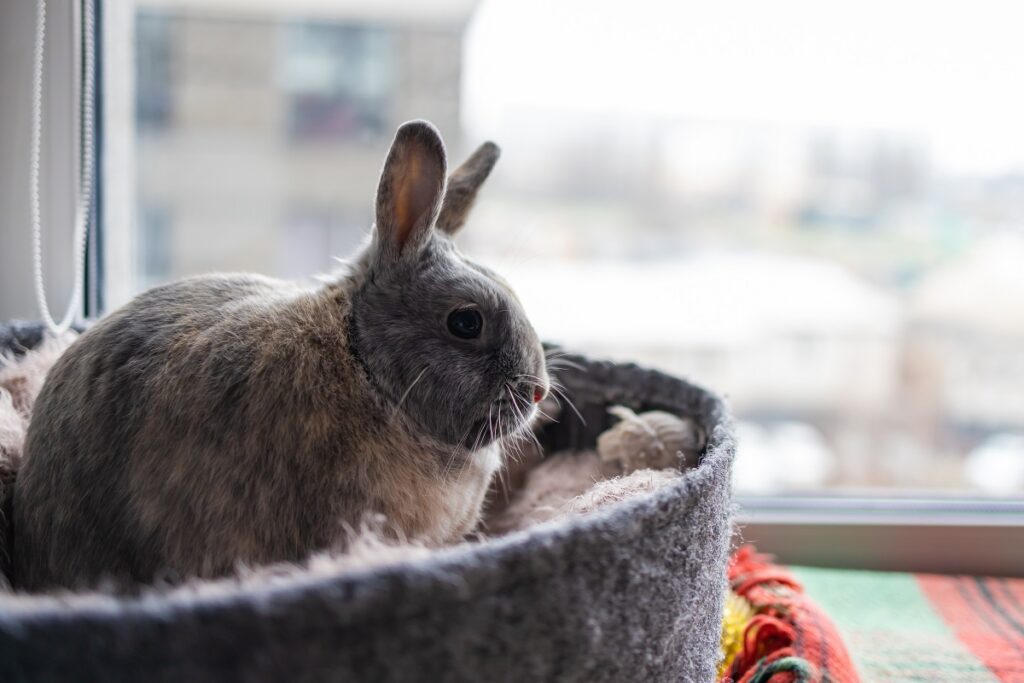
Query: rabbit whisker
x=525 y=429
x=560 y=394
x=406 y=394
x=553 y=382
x=518 y=439
x=461 y=443
x=558 y=365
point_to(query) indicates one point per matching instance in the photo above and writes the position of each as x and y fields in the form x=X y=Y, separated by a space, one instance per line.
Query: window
x=154 y=241
x=338 y=80
x=817 y=211
x=153 y=79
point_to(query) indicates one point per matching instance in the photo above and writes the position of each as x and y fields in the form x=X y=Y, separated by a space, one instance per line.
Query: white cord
x=84 y=203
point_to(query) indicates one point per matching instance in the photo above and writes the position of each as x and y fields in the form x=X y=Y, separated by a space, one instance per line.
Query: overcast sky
x=948 y=73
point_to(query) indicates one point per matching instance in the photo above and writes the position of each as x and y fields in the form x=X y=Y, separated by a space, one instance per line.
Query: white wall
x=58 y=180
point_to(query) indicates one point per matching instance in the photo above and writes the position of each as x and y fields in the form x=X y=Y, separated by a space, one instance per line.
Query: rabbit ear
x=463 y=185
x=410 y=189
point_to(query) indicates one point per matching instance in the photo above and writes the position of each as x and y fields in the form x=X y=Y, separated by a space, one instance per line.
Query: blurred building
x=639 y=185
x=855 y=302
x=798 y=346
x=966 y=341
x=262 y=126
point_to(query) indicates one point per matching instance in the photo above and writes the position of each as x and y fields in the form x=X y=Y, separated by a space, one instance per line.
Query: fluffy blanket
x=21 y=377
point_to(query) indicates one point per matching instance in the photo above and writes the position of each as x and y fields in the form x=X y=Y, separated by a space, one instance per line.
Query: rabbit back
x=205 y=423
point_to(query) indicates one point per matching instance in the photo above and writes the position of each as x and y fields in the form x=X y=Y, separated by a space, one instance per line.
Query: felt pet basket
x=631 y=592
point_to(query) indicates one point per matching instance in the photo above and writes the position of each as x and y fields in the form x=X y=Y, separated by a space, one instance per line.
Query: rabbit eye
x=465 y=323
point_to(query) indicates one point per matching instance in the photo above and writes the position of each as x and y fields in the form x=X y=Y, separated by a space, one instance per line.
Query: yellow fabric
x=738 y=613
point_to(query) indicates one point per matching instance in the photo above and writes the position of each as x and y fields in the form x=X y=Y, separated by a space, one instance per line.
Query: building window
x=153 y=59
x=338 y=80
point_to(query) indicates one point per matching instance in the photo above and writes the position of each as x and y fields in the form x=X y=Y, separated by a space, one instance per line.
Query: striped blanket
x=810 y=624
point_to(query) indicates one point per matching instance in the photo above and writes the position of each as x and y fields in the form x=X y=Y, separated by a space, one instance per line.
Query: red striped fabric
x=790 y=639
x=987 y=615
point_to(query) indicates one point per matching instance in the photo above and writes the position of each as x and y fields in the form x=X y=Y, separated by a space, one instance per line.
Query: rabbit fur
x=231 y=419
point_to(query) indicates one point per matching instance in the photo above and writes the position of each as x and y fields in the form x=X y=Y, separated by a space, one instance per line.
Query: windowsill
x=933 y=534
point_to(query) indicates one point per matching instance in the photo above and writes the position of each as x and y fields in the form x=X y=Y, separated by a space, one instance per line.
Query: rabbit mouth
x=506 y=418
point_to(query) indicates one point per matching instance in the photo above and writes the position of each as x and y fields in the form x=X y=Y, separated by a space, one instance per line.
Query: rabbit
x=231 y=419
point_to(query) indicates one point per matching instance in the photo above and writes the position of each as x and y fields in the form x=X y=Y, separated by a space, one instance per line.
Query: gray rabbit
x=236 y=418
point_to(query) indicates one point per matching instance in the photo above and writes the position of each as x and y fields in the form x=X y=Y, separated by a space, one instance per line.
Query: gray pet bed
x=629 y=593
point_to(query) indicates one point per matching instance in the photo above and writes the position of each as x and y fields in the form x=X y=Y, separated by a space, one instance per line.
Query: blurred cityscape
x=861 y=307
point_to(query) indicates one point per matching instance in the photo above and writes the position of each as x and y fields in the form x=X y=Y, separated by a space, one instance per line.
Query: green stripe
x=800 y=668
x=890 y=628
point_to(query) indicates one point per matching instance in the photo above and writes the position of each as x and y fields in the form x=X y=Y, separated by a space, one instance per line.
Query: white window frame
x=58 y=154
x=117 y=174
x=925 y=532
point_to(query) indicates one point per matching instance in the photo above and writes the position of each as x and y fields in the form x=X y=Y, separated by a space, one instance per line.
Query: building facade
x=261 y=132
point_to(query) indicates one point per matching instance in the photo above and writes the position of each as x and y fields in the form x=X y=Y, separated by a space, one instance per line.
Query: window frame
x=113 y=258
x=921 y=532
x=942 y=533
x=60 y=157
x=92 y=301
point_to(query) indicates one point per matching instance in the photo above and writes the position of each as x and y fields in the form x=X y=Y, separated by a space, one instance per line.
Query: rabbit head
x=444 y=340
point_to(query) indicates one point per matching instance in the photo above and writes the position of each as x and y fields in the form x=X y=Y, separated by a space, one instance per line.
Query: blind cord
x=84 y=203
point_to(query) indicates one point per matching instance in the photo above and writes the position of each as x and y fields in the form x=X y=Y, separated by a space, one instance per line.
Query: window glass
x=153 y=81
x=338 y=80
x=816 y=209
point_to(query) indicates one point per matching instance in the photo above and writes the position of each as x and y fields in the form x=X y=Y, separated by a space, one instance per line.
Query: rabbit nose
x=533 y=391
